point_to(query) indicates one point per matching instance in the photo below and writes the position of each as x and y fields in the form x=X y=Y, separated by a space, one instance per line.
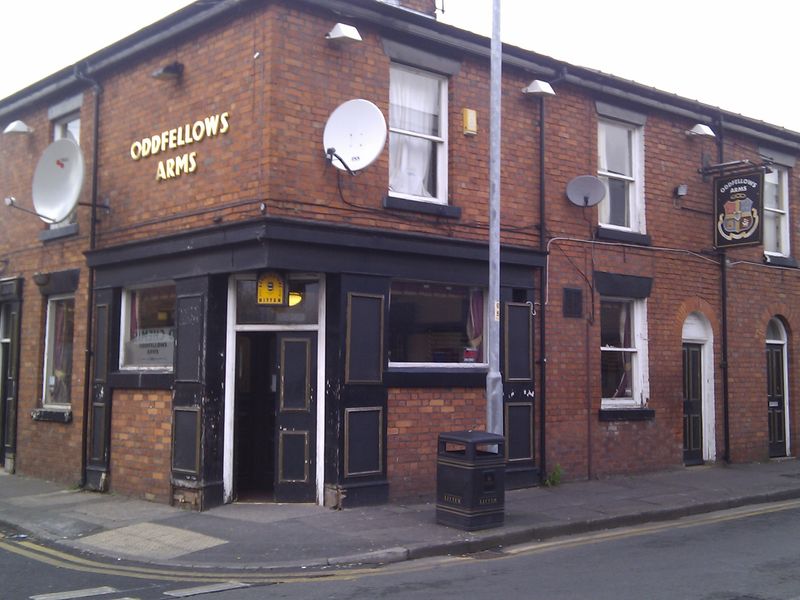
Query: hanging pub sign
x=738 y=201
x=271 y=289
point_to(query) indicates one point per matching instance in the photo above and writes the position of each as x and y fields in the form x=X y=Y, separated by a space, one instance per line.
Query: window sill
x=627 y=237
x=399 y=377
x=54 y=415
x=626 y=414
x=144 y=380
x=780 y=261
x=420 y=206
x=47 y=235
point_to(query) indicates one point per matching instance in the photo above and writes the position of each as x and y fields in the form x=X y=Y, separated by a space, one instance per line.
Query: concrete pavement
x=288 y=536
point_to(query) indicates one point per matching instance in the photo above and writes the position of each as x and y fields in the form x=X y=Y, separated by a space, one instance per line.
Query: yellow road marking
x=61 y=559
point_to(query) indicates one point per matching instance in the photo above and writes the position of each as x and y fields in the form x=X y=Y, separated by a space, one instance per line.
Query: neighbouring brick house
x=263 y=323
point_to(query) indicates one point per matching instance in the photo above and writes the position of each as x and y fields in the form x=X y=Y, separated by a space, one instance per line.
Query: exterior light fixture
x=18 y=127
x=538 y=88
x=700 y=130
x=171 y=71
x=343 y=33
x=295 y=298
x=681 y=190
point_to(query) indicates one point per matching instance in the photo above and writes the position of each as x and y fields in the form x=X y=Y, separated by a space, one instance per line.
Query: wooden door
x=692 y=404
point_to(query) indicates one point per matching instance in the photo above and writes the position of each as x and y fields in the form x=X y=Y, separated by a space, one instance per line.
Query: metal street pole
x=494 y=383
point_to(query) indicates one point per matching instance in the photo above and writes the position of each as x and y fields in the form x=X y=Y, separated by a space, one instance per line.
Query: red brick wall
x=141 y=442
x=416 y=418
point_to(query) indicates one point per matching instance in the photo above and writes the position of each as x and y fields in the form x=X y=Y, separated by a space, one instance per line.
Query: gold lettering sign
x=271 y=289
x=178 y=139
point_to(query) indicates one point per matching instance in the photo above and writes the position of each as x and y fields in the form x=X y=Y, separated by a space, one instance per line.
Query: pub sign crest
x=738 y=201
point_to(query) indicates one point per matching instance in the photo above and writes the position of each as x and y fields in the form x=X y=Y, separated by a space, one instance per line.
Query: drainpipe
x=87 y=368
x=542 y=299
x=724 y=301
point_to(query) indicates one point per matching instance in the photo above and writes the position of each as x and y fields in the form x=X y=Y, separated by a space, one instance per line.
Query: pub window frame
x=126 y=305
x=633 y=182
x=433 y=365
x=781 y=212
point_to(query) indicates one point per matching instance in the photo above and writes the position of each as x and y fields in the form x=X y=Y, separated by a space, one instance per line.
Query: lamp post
x=494 y=383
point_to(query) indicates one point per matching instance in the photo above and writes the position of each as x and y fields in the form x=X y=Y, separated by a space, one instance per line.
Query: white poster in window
x=152 y=347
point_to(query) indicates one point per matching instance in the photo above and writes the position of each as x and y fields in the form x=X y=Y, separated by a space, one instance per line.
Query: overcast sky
x=740 y=56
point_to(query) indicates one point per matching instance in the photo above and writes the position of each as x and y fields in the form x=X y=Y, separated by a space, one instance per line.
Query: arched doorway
x=777 y=389
x=699 y=442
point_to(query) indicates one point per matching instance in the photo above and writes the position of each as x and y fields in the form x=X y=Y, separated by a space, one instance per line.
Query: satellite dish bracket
x=11 y=202
x=330 y=154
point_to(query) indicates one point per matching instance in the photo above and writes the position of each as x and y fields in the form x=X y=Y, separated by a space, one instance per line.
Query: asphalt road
x=746 y=554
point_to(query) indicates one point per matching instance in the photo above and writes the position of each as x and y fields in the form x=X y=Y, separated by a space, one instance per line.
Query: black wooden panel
x=519 y=342
x=293 y=456
x=191 y=334
x=364 y=338
x=186 y=440
x=295 y=375
x=101 y=343
x=573 y=303
x=519 y=425
x=363 y=449
x=97 y=442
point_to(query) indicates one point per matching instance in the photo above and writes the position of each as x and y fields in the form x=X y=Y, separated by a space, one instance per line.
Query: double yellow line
x=65 y=560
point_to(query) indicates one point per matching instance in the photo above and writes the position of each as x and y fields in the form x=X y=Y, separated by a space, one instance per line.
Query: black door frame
x=776 y=399
x=692 y=403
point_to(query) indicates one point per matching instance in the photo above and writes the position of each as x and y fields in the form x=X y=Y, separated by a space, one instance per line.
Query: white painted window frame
x=636 y=206
x=441 y=196
x=48 y=343
x=783 y=212
x=640 y=379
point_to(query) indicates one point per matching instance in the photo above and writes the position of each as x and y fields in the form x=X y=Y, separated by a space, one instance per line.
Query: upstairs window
x=434 y=323
x=776 y=212
x=68 y=127
x=417 y=135
x=620 y=166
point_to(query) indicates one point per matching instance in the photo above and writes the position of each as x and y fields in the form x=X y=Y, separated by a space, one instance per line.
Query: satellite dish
x=586 y=190
x=354 y=135
x=57 y=180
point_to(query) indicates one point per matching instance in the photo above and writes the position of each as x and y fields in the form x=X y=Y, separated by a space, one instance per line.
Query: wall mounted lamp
x=18 y=127
x=343 y=33
x=538 y=88
x=700 y=130
x=172 y=71
x=681 y=190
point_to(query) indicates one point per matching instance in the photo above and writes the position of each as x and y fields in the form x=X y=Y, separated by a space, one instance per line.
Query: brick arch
x=784 y=312
x=698 y=305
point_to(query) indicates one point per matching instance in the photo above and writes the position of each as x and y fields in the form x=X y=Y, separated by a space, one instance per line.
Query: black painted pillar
x=11 y=299
x=106 y=320
x=356 y=401
x=198 y=397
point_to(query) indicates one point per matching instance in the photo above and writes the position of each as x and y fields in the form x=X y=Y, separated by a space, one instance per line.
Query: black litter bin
x=470 y=480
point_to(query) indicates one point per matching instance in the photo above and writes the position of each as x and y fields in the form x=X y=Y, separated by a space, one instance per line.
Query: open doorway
x=275 y=416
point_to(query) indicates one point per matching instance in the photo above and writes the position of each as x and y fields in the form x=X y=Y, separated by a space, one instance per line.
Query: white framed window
x=417 y=135
x=68 y=127
x=58 y=345
x=776 y=212
x=623 y=352
x=620 y=159
x=436 y=325
x=147 y=337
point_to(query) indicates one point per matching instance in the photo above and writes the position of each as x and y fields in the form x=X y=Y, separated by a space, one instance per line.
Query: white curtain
x=414 y=106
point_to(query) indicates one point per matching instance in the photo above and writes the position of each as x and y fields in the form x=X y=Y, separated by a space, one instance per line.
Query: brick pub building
x=227 y=315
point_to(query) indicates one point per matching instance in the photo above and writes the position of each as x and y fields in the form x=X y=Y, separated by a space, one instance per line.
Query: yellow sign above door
x=271 y=289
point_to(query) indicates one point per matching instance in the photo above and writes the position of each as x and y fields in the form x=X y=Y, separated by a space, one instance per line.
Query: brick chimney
x=426 y=7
